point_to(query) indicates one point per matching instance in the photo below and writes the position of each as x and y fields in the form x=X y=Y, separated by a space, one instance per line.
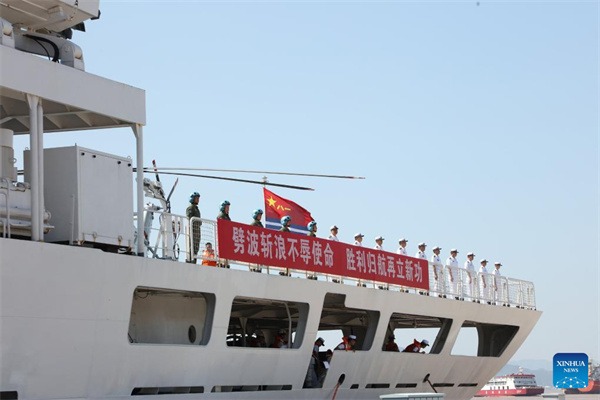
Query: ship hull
x=65 y=318
x=511 y=392
x=593 y=387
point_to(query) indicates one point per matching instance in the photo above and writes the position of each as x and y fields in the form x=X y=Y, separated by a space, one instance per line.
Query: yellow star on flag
x=271 y=201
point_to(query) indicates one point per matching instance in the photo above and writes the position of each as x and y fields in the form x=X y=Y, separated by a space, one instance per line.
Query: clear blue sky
x=476 y=126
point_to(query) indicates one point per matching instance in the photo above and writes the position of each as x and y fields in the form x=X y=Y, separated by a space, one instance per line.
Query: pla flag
x=276 y=207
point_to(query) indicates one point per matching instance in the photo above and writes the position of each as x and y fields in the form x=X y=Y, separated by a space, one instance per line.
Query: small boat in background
x=518 y=384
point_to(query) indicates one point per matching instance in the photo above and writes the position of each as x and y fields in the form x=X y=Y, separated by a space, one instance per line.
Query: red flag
x=276 y=207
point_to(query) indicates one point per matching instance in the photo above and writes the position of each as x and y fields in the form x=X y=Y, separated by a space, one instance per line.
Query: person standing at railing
x=452 y=268
x=224 y=210
x=402 y=247
x=312 y=229
x=358 y=238
x=498 y=284
x=224 y=214
x=421 y=255
x=471 y=286
x=484 y=281
x=379 y=243
x=438 y=271
x=194 y=237
x=333 y=233
x=256 y=217
x=286 y=222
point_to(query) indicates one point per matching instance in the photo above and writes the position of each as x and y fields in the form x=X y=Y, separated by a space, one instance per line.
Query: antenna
x=260 y=172
x=147 y=171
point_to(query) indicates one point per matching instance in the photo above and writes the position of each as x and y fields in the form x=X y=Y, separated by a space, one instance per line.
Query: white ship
x=519 y=384
x=86 y=311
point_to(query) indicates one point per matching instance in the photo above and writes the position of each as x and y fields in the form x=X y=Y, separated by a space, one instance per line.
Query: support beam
x=40 y=135
x=34 y=167
x=139 y=157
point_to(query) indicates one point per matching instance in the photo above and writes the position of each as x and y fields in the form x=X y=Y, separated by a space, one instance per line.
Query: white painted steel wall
x=64 y=315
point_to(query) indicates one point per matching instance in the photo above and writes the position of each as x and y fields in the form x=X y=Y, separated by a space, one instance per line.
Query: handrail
x=485 y=288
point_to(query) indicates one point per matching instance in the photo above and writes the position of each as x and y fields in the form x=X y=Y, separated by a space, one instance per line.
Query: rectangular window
x=483 y=340
x=266 y=323
x=338 y=321
x=166 y=316
x=404 y=329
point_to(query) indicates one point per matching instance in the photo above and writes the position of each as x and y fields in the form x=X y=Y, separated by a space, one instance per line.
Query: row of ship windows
x=164 y=316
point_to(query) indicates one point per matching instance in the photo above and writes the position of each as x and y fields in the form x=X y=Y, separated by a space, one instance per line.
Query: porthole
x=192 y=333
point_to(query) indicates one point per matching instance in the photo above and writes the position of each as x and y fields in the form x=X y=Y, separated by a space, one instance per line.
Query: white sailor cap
x=422 y=244
x=497 y=263
x=333 y=227
x=471 y=254
x=351 y=337
x=437 y=248
x=359 y=235
x=402 y=240
x=379 y=238
x=483 y=260
x=453 y=251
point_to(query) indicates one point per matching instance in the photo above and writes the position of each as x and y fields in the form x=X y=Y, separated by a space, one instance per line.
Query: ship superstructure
x=92 y=307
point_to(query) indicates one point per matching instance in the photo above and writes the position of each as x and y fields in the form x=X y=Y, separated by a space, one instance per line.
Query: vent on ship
x=144 y=391
x=250 y=388
x=443 y=384
x=406 y=385
x=12 y=395
x=377 y=386
x=468 y=384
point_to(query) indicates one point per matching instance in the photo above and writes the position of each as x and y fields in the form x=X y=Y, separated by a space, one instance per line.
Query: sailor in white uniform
x=485 y=283
x=498 y=284
x=333 y=235
x=452 y=271
x=358 y=239
x=421 y=253
x=438 y=271
x=379 y=243
x=402 y=248
x=471 y=283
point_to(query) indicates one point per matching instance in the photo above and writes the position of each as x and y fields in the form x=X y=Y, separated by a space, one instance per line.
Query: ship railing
x=179 y=239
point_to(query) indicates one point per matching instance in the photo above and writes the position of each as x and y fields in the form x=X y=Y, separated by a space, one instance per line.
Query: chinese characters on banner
x=261 y=246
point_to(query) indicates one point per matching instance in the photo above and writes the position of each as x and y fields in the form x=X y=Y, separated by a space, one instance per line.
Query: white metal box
x=89 y=195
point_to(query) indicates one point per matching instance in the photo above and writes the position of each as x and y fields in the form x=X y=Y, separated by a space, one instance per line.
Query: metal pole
x=139 y=156
x=40 y=135
x=34 y=168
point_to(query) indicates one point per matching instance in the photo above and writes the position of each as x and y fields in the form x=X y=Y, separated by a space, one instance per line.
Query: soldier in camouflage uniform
x=312 y=229
x=224 y=214
x=224 y=211
x=285 y=223
x=257 y=215
x=193 y=211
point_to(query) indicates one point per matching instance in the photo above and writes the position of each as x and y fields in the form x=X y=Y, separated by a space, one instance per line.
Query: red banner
x=262 y=246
